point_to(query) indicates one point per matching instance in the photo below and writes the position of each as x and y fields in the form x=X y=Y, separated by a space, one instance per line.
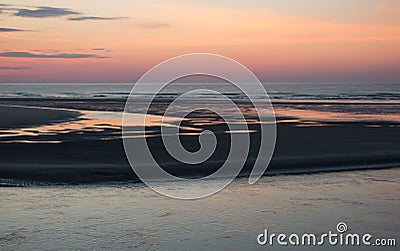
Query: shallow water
x=134 y=216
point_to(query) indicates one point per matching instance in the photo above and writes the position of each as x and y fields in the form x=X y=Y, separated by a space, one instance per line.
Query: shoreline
x=132 y=180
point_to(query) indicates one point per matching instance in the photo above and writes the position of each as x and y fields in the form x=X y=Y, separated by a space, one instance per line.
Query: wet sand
x=16 y=117
x=84 y=156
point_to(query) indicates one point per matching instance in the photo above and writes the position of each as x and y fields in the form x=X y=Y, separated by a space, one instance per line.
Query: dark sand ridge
x=85 y=157
x=17 y=117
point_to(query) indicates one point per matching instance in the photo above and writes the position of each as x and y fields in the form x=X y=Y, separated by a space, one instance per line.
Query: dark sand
x=17 y=117
x=83 y=157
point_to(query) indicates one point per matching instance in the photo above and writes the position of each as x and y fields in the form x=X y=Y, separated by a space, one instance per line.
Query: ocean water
x=276 y=91
x=135 y=217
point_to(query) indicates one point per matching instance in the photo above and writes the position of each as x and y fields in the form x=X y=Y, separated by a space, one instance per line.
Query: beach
x=17 y=117
x=85 y=146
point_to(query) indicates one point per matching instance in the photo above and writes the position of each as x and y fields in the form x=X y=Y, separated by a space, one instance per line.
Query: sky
x=280 y=41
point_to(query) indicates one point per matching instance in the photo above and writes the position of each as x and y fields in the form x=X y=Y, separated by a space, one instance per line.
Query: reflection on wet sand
x=89 y=121
x=101 y=121
x=305 y=117
x=105 y=125
x=89 y=148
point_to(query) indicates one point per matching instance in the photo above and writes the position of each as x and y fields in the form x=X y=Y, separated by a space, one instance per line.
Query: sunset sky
x=117 y=41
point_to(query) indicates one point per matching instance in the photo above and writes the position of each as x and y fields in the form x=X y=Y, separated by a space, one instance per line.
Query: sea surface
x=276 y=91
x=126 y=217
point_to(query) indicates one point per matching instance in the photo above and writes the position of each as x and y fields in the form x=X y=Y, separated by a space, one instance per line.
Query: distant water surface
x=277 y=91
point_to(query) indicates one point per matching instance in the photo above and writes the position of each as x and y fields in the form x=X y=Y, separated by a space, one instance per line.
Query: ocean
x=126 y=217
x=276 y=91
